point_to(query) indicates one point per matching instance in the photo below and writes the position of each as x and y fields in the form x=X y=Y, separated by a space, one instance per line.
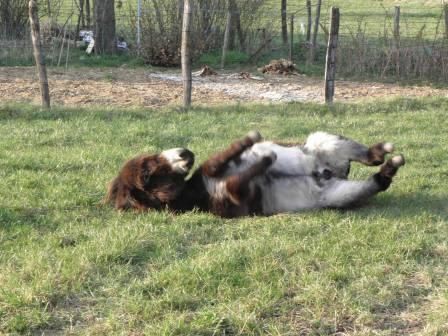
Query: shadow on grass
x=406 y=206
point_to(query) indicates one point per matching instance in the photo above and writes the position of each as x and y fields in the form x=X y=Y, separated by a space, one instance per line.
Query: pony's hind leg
x=345 y=194
x=370 y=156
x=376 y=154
x=388 y=171
x=217 y=165
x=345 y=149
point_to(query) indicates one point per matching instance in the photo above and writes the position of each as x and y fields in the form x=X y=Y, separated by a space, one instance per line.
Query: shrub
x=162 y=25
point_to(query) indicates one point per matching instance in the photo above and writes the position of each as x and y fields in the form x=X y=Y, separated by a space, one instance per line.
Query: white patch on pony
x=323 y=142
x=398 y=161
x=289 y=160
x=255 y=136
x=178 y=164
x=290 y=195
x=331 y=151
x=388 y=147
x=216 y=187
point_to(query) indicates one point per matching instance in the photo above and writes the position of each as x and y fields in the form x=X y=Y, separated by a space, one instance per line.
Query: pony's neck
x=194 y=195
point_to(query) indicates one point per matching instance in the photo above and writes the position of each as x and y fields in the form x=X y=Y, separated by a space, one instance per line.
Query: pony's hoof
x=398 y=161
x=255 y=136
x=388 y=147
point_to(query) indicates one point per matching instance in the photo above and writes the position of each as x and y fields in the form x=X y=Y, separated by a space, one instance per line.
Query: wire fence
x=369 y=43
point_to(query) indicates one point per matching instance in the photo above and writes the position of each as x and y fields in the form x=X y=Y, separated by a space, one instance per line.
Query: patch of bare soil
x=124 y=87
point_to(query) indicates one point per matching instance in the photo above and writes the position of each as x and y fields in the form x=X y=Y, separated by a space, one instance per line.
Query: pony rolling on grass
x=255 y=177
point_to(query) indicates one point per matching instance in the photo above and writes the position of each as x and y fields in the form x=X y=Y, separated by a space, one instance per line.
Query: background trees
x=105 y=39
x=13 y=18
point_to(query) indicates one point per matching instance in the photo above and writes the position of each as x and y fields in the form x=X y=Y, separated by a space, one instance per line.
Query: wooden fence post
x=291 y=38
x=312 y=54
x=310 y=21
x=185 y=53
x=330 y=64
x=39 y=54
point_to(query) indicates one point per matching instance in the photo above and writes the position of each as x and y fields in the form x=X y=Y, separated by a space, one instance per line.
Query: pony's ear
x=118 y=195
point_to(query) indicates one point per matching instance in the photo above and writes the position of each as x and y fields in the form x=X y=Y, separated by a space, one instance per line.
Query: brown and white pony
x=254 y=177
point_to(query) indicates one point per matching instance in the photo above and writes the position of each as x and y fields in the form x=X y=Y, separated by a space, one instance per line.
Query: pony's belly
x=290 y=195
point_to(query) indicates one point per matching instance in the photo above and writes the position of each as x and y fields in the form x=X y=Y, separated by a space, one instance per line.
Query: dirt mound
x=205 y=71
x=280 y=67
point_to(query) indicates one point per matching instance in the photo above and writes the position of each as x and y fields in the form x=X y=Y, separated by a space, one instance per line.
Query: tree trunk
x=316 y=29
x=309 y=22
x=225 y=46
x=232 y=10
x=180 y=9
x=284 y=23
x=159 y=17
x=88 y=16
x=81 y=13
x=81 y=21
x=239 y=30
x=105 y=42
x=49 y=9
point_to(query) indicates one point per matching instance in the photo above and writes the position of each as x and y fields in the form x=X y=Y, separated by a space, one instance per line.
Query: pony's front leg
x=345 y=194
x=238 y=186
x=217 y=164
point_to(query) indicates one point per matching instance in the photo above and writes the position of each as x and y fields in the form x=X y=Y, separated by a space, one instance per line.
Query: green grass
x=71 y=266
x=77 y=58
x=233 y=58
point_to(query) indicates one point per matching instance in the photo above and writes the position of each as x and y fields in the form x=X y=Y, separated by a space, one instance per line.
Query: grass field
x=71 y=266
